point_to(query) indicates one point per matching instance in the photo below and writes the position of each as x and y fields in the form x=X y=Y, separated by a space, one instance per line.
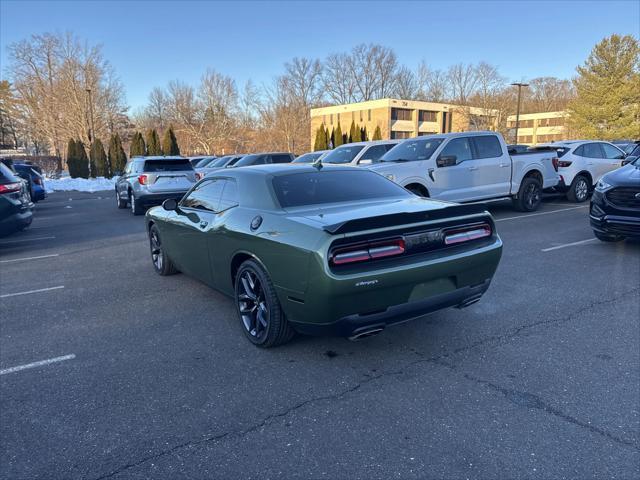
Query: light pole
x=519 y=85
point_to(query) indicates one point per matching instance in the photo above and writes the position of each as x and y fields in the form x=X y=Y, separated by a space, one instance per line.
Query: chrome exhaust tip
x=366 y=333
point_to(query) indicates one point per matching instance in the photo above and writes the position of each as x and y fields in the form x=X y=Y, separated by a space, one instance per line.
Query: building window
x=369 y=115
x=324 y=119
x=338 y=118
x=428 y=116
x=400 y=135
x=360 y=115
x=331 y=118
x=353 y=116
x=556 y=122
x=400 y=114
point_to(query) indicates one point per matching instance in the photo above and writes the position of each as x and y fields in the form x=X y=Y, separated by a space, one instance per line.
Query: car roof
x=283 y=169
x=160 y=157
x=372 y=142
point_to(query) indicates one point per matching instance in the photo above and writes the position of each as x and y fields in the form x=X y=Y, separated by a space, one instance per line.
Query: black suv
x=615 y=204
x=16 y=208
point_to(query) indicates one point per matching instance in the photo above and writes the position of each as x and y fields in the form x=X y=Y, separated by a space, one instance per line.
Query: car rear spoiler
x=404 y=218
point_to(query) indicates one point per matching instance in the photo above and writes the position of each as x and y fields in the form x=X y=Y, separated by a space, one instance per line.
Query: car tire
x=162 y=264
x=607 y=238
x=261 y=317
x=121 y=203
x=529 y=195
x=579 y=190
x=136 y=208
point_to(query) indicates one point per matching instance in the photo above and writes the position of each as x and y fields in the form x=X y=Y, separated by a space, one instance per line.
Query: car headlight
x=391 y=177
x=602 y=186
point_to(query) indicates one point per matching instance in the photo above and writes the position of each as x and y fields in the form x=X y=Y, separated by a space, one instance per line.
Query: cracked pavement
x=538 y=380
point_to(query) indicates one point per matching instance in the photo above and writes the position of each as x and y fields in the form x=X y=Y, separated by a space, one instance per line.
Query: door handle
x=502 y=165
x=472 y=168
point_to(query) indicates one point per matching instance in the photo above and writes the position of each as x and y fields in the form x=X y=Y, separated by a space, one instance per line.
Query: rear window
x=487 y=146
x=257 y=159
x=6 y=175
x=545 y=148
x=315 y=188
x=167 y=165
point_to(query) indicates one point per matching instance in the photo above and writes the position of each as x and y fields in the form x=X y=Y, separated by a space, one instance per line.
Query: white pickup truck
x=469 y=167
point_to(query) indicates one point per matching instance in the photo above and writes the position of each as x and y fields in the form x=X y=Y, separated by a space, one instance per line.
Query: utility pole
x=519 y=85
x=91 y=129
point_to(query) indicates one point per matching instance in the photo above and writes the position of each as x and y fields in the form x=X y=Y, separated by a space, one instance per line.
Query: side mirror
x=365 y=161
x=170 y=205
x=629 y=159
x=446 y=161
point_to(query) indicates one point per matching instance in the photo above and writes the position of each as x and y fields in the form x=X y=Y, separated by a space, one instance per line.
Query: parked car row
x=16 y=205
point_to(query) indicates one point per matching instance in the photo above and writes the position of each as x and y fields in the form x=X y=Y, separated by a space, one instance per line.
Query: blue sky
x=252 y=40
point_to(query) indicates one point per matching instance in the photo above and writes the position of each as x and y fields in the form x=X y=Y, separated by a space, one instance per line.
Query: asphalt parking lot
x=153 y=377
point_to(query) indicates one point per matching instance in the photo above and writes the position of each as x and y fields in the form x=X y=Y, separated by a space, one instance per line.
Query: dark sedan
x=15 y=205
x=34 y=179
x=615 y=204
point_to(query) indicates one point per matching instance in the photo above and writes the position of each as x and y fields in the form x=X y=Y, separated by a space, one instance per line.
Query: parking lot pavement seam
x=439 y=360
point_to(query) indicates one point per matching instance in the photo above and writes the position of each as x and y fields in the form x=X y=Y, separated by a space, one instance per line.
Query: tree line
x=60 y=87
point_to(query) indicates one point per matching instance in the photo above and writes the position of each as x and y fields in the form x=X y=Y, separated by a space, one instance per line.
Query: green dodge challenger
x=323 y=250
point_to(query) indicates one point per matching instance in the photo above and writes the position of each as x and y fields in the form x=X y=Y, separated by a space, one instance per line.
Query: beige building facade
x=542 y=127
x=402 y=118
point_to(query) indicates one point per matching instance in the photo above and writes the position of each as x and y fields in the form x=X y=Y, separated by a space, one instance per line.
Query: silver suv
x=148 y=181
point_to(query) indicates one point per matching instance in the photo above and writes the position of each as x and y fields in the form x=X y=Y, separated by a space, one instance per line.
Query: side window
x=261 y=160
x=611 y=152
x=282 y=158
x=459 y=147
x=579 y=151
x=389 y=146
x=592 y=150
x=374 y=153
x=229 y=195
x=206 y=196
x=127 y=168
x=487 y=146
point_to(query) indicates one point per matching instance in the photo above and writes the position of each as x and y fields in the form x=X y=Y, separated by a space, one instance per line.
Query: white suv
x=581 y=163
x=359 y=153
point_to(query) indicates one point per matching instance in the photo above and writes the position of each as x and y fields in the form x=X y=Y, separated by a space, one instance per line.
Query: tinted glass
x=218 y=162
x=308 y=157
x=205 y=162
x=167 y=165
x=374 y=153
x=592 y=150
x=234 y=160
x=257 y=159
x=229 y=195
x=487 y=146
x=205 y=196
x=6 y=175
x=611 y=152
x=635 y=151
x=281 y=158
x=324 y=186
x=459 y=147
x=344 y=154
x=418 y=149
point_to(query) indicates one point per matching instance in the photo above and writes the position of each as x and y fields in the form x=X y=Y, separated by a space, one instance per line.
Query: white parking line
x=540 y=213
x=37 y=364
x=24 y=259
x=569 y=244
x=32 y=239
x=31 y=291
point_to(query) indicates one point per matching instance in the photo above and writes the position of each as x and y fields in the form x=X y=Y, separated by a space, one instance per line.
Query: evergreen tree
x=607 y=102
x=117 y=157
x=138 y=148
x=337 y=134
x=153 y=143
x=170 y=143
x=82 y=159
x=319 y=137
x=357 y=134
x=72 y=158
x=377 y=134
x=352 y=133
x=363 y=134
x=345 y=138
x=327 y=139
x=99 y=162
x=332 y=139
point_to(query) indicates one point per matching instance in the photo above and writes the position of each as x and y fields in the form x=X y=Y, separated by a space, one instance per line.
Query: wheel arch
x=534 y=173
x=585 y=173
x=419 y=187
x=238 y=259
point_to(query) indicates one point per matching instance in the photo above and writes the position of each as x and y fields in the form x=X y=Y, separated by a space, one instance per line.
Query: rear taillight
x=10 y=187
x=466 y=234
x=564 y=163
x=362 y=252
x=37 y=180
x=554 y=162
x=142 y=179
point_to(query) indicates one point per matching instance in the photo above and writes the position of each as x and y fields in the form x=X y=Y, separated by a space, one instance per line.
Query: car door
x=220 y=237
x=197 y=215
x=613 y=157
x=492 y=173
x=121 y=185
x=454 y=177
x=594 y=157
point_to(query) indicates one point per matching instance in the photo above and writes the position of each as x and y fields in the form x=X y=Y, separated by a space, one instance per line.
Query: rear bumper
x=358 y=323
x=150 y=199
x=15 y=222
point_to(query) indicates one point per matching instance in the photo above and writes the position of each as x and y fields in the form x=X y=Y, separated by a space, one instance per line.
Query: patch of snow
x=67 y=184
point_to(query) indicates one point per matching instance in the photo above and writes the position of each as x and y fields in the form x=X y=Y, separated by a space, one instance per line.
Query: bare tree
x=432 y=84
x=463 y=80
x=338 y=81
x=406 y=84
x=547 y=94
x=303 y=77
